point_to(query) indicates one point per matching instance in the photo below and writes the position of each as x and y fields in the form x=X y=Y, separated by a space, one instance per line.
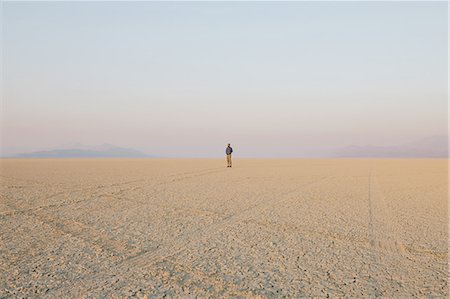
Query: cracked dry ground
x=194 y=228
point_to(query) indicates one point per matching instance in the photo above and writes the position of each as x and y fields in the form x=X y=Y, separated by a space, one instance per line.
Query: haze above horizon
x=185 y=78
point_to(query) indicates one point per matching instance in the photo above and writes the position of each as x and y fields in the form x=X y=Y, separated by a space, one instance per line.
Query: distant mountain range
x=102 y=151
x=430 y=147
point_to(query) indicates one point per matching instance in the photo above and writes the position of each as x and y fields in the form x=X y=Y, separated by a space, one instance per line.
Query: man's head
x=228 y=144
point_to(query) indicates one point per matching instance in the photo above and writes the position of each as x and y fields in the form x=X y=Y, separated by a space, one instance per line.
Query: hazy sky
x=185 y=78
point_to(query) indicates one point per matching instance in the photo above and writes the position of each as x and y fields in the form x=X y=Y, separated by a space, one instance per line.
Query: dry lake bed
x=266 y=228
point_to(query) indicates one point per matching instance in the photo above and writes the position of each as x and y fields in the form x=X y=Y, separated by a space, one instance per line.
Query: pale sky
x=182 y=79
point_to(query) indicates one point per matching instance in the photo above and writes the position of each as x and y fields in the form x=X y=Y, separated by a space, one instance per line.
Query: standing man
x=228 y=151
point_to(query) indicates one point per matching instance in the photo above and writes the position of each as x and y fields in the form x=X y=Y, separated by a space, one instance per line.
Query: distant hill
x=430 y=147
x=103 y=151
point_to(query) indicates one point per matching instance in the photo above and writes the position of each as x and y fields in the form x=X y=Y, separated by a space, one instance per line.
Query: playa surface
x=192 y=227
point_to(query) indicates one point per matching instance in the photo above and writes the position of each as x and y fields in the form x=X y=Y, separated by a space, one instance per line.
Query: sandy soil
x=185 y=228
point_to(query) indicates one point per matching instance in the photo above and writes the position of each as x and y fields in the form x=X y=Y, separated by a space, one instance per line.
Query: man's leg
x=228 y=160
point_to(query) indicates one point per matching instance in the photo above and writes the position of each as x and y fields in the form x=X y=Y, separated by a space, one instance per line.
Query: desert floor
x=192 y=227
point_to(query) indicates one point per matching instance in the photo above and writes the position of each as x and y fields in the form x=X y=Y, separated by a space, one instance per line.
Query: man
x=228 y=151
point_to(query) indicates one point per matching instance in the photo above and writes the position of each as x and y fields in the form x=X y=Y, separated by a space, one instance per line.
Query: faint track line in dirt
x=196 y=172
x=209 y=170
x=84 y=232
x=179 y=177
x=25 y=180
x=288 y=192
x=150 y=257
x=379 y=225
x=60 y=204
x=201 y=212
x=154 y=187
x=101 y=187
x=59 y=223
x=80 y=230
x=199 y=235
x=390 y=241
x=383 y=245
x=34 y=208
x=371 y=281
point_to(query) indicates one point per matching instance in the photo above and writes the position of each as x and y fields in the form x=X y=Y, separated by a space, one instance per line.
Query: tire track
x=382 y=246
x=383 y=239
x=95 y=238
x=372 y=284
x=86 y=233
x=63 y=203
x=390 y=241
x=79 y=230
x=26 y=180
x=179 y=244
x=199 y=235
x=101 y=187
x=392 y=237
